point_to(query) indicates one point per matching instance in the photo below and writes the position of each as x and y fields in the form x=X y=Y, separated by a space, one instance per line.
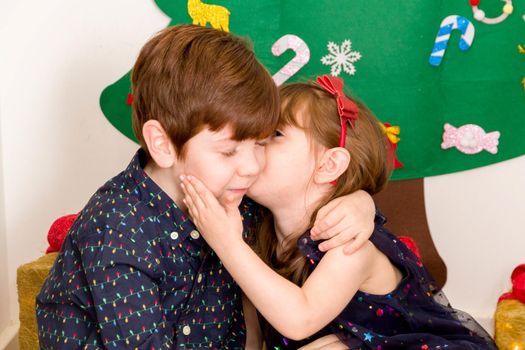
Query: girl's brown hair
x=369 y=167
x=188 y=77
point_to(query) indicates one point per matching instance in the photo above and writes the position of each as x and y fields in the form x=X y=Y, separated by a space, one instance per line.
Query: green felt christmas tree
x=446 y=74
x=424 y=66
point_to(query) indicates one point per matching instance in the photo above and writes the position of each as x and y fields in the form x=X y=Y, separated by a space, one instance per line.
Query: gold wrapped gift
x=30 y=278
x=510 y=325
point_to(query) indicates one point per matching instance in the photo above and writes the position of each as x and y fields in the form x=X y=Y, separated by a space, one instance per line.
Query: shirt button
x=174 y=235
x=199 y=279
x=186 y=330
x=195 y=234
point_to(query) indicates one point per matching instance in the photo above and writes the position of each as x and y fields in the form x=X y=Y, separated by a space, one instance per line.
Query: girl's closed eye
x=277 y=133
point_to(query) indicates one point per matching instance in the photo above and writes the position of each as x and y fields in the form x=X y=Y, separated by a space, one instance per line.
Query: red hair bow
x=346 y=107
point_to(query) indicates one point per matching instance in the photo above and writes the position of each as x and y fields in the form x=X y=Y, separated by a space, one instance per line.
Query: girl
x=327 y=146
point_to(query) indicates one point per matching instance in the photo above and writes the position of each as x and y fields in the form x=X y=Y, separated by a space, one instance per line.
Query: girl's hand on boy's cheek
x=217 y=222
x=347 y=220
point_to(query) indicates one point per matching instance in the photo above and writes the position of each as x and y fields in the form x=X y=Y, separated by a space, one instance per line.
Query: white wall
x=4 y=317
x=476 y=220
x=56 y=57
x=7 y=325
x=4 y=279
x=56 y=147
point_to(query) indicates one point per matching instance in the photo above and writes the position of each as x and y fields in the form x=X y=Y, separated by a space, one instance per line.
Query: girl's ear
x=333 y=163
x=159 y=144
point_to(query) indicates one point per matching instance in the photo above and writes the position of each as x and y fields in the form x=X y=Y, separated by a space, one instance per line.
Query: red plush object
x=518 y=285
x=518 y=282
x=411 y=244
x=58 y=231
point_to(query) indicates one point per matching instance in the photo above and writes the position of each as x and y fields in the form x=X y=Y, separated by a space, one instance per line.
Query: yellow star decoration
x=201 y=14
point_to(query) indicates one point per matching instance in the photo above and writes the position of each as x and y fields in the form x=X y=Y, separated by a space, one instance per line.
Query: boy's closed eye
x=229 y=153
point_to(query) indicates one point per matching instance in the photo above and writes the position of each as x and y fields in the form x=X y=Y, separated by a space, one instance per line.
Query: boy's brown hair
x=188 y=77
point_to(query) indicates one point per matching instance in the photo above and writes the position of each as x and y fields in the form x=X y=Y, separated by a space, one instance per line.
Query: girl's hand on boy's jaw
x=218 y=222
x=347 y=220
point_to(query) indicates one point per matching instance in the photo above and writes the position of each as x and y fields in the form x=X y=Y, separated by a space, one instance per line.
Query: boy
x=133 y=271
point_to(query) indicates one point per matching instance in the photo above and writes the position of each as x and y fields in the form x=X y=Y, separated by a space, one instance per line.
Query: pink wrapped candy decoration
x=470 y=139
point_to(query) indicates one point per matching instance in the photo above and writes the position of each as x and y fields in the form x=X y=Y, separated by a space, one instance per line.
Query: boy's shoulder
x=108 y=208
x=123 y=204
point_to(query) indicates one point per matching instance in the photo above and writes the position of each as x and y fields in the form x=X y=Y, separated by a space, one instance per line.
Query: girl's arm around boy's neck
x=298 y=312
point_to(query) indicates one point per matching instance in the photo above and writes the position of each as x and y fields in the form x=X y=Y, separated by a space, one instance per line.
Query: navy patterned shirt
x=134 y=273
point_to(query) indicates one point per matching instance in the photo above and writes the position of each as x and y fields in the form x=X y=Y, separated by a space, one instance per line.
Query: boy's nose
x=250 y=166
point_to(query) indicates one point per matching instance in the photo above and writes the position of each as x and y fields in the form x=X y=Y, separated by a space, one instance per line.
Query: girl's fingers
x=332 y=243
x=201 y=190
x=191 y=208
x=327 y=209
x=192 y=192
x=341 y=228
x=187 y=200
x=324 y=228
x=355 y=244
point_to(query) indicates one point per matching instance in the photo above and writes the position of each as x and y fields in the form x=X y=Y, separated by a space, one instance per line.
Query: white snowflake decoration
x=341 y=57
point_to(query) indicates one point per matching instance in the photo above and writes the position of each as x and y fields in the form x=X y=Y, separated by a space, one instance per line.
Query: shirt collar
x=145 y=189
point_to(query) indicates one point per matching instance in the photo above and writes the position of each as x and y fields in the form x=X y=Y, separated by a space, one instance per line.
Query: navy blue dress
x=413 y=316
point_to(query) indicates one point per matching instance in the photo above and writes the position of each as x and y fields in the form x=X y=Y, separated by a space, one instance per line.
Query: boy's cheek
x=261 y=158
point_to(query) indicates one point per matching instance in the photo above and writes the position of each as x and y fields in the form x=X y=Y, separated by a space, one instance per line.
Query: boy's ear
x=333 y=163
x=159 y=144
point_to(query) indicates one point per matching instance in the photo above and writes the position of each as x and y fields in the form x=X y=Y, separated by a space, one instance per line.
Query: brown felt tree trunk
x=403 y=203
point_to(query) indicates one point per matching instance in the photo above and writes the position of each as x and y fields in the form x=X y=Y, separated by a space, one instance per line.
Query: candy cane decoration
x=302 y=56
x=479 y=15
x=449 y=24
